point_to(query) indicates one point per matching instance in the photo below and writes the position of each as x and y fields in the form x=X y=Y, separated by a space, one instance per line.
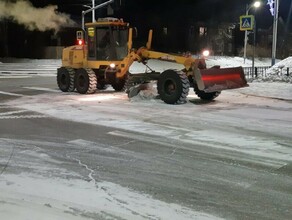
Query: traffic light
x=250 y=38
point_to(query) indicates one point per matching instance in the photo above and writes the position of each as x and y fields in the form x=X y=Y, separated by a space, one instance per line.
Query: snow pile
x=148 y=92
x=278 y=72
x=225 y=61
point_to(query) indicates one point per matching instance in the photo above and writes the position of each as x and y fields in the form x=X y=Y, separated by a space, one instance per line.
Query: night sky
x=177 y=15
x=182 y=11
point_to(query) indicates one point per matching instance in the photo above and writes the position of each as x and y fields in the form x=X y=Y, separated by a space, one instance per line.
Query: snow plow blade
x=217 y=79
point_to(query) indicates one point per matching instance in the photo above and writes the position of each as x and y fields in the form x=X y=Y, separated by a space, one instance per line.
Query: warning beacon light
x=80 y=42
x=80 y=38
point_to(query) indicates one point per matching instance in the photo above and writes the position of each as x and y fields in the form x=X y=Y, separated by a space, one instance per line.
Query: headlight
x=112 y=65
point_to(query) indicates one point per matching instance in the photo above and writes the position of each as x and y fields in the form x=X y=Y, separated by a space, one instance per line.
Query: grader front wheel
x=173 y=86
x=119 y=84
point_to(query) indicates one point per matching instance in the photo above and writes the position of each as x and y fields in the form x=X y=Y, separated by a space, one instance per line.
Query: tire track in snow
x=123 y=204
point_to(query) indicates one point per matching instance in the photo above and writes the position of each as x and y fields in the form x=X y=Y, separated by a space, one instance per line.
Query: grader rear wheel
x=65 y=79
x=173 y=86
x=85 y=81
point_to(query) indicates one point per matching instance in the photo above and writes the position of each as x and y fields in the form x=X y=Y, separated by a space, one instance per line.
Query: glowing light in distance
x=206 y=53
x=257 y=4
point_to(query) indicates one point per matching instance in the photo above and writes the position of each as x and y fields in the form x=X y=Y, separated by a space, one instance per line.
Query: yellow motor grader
x=104 y=55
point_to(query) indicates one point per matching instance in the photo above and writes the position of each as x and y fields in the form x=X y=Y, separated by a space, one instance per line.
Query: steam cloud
x=42 y=19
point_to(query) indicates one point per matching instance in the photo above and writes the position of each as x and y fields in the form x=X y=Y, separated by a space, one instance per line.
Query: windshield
x=111 y=43
x=120 y=36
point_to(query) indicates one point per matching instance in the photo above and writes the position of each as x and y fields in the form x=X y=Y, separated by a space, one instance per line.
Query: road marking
x=203 y=148
x=148 y=139
x=42 y=89
x=11 y=94
x=22 y=117
x=81 y=142
x=13 y=77
x=12 y=112
x=4 y=106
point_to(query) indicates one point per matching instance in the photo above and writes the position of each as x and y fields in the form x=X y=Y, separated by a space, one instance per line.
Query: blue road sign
x=246 y=22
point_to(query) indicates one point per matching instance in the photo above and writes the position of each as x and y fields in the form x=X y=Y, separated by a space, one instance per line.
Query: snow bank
x=278 y=72
x=225 y=61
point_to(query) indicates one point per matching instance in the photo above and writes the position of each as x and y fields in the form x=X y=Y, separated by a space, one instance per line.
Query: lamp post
x=256 y=4
x=93 y=12
x=275 y=31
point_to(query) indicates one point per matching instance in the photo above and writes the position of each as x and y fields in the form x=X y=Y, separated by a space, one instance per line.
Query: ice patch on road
x=55 y=198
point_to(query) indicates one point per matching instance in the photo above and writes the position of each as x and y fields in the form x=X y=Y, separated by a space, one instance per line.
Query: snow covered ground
x=256 y=121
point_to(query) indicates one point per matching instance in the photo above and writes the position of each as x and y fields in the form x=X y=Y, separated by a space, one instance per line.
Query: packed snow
x=280 y=72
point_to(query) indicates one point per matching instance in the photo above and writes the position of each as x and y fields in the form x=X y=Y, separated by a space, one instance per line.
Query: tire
x=119 y=84
x=85 y=81
x=65 y=79
x=206 y=95
x=173 y=87
x=101 y=85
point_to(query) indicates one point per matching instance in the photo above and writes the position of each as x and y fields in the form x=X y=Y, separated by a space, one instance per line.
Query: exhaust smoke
x=41 y=19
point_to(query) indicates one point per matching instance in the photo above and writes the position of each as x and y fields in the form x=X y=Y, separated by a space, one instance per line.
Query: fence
x=262 y=72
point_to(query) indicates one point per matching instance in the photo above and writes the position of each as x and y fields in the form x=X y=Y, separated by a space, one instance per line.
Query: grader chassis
x=107 y=55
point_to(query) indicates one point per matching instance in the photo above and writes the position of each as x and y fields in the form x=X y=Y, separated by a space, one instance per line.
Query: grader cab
x=92 y=65
x=105 y=56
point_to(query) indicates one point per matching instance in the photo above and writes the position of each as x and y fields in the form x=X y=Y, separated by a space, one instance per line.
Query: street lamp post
x=256 y=4
x=93 y=12
x=275 y=31
x=92 y=9
x=254 y=47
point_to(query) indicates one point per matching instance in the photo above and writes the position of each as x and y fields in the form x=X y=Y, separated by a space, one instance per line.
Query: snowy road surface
x=103 y=156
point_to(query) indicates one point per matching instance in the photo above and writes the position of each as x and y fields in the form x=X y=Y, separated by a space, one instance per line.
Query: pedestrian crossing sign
x=246 y=22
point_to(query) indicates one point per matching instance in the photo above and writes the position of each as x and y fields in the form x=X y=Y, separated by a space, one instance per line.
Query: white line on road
x=13 y=77
x=22 y=117
x=42 y=89
x=11 y=94
x=12 y=112
x=144 y=138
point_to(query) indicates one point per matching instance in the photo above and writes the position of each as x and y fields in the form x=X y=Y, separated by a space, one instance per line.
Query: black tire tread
x=182 y=81
x=207 y=95
x=91 y=81
x=70 y=72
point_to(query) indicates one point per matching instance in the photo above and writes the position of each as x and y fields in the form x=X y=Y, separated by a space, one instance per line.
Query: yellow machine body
x=107 y=56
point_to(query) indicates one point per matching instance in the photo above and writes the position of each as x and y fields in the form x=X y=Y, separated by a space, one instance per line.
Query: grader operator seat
x=107 y=40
